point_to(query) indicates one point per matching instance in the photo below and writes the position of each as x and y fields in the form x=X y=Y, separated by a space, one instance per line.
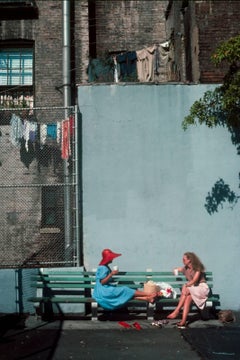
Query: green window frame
x=16 y=67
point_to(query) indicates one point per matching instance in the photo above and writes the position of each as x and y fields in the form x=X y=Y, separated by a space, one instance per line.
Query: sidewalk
x=100 y=340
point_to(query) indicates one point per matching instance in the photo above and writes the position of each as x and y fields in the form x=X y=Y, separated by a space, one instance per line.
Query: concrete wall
x=145 y=181
x=8 y=294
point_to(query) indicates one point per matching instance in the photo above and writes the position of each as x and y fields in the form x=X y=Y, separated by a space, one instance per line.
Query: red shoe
x=124 y=324
x=137 y=326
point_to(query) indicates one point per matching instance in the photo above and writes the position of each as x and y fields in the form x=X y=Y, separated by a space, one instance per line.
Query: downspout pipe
x=67 y=102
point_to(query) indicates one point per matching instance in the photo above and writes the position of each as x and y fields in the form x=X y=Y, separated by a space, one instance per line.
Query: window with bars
x=16 y=67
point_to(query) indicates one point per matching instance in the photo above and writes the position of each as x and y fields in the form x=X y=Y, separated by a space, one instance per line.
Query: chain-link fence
x=39 y=218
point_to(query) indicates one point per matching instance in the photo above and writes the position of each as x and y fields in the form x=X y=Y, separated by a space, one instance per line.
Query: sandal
x=156 y=323
x=181 y=326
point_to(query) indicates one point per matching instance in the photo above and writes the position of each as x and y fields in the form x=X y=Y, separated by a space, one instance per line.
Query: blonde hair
x=196 y=262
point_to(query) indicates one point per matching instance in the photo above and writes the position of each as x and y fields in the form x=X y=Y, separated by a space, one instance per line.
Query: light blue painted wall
x=8 y=295
x=145 y=181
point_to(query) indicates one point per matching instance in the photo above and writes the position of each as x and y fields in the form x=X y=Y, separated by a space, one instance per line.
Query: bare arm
x=108 y=277
x=195 y=279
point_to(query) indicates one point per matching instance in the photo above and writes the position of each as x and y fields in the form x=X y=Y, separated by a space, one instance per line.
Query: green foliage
x=220 y=106
x=228 y=51
x=208 y=110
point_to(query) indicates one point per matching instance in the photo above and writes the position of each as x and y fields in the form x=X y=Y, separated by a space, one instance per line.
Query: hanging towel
x=145 y=64
x=66 y=151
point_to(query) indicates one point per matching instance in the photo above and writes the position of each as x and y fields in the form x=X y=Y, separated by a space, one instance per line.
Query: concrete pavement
x=100 y=340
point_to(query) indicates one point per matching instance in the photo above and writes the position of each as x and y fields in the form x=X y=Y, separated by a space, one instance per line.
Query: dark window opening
x=49 y=206
x=18 y=9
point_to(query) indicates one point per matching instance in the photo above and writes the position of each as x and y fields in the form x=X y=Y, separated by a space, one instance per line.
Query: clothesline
x=30 y=131
x=142 y=65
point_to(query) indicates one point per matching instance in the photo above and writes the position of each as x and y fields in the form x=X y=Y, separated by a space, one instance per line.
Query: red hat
x=107 y=256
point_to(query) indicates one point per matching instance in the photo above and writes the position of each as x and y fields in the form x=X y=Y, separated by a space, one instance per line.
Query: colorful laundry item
x=27 y=153
x=127 y=62
x=99 y=70
x=65 y=145
x=145 y=64
x=16 y=132
x=33 y=131
x=59 y=132
x=52 y=131
x=29 y=132
x=26 y=129
x=43 y=133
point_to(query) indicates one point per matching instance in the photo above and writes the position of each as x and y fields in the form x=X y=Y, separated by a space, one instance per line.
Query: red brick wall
x=198 y=27
x=217 y=22
x=129 y=25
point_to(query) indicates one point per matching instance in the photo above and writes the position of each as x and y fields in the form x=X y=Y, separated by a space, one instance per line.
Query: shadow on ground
x=218 y=343
x=19 y=342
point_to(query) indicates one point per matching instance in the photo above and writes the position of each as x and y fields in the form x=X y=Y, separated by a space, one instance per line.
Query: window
x=16 y=74
x=18 y=9
x=16 y=67
x=49 y=206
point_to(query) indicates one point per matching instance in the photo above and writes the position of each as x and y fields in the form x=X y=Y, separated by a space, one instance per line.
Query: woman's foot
x=181 y=325
x=152 y=298
x=173 y=315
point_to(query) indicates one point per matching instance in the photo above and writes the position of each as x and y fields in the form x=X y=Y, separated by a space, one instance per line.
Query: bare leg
x=184 y=294
x=186 y=309
x=142 y=295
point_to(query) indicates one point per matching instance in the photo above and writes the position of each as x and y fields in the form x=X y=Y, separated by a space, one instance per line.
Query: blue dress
x=110 y=296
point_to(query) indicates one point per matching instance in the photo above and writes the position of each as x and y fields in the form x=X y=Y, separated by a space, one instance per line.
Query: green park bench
x=76 y=286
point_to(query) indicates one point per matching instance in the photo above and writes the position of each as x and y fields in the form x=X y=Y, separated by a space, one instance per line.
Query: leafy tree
x=221 y=107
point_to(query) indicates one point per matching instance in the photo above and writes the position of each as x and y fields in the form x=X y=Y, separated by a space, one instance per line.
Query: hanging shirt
x=145 y=64
x=16 y=132
x=127 y=62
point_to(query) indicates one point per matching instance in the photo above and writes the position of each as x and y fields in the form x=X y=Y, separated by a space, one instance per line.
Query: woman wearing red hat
x=109 y=296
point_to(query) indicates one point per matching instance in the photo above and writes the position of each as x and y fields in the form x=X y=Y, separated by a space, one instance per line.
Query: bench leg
x=150 y=311
x=94 y=311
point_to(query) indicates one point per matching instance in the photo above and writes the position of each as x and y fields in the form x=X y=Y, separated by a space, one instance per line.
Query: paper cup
x=115 y=267
x=175 y=272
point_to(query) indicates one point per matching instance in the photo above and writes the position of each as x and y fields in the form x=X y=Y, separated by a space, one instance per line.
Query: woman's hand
x=114 y=272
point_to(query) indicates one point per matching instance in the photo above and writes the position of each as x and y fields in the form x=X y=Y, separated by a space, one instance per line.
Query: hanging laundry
x=33 y=131
x=43 y=133
x=157 y=62
x=164 y=52
x=58 y=132
x=27 y=156
x=52 y=131
x=127 y=62
x=145 y=64
x=26 y=129
x=100 y=70
x=71 y=124
x=16 y=132
x=66 y=150
x=116 y=70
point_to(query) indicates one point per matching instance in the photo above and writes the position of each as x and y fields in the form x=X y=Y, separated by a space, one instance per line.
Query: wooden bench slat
x=63 y=285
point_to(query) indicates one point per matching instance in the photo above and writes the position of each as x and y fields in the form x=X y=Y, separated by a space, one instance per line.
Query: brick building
x=179 y=37
x=196 y=28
